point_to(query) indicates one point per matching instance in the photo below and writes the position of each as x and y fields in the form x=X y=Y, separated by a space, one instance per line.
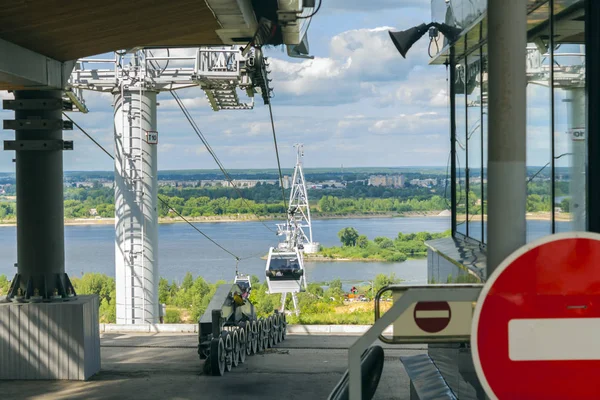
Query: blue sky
x=358 y=103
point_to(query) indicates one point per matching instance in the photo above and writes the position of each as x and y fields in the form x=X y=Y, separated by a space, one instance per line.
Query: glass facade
x=556 y=117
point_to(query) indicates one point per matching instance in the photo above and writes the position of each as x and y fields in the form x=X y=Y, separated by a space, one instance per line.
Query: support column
x=507 y=191
x=41 y=335
x=40 y=210
x=576 y=117
x=136 y=207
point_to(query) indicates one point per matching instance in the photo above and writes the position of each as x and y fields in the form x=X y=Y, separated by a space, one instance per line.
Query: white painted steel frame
x=432 y=293
x=273 y=285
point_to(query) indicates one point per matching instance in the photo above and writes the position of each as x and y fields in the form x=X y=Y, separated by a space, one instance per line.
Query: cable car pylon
x=285 y=263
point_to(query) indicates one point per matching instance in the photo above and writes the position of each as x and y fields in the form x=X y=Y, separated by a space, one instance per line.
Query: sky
x=358 y=103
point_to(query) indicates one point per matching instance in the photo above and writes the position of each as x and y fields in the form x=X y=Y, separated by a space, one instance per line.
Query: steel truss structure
x=134 y=78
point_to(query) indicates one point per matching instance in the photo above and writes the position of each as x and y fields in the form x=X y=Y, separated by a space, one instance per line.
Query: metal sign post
x=429 y=320
x=411 y=296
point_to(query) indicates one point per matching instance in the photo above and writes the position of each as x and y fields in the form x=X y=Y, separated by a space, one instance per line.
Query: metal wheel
x=261 y=332
x=280 y=332
x=255 y=333
x=235 y=343
x=226 y=336
x=272 y=331
x=248 y=333
x=243 y=345
x=277 y=324
x=217 y=357
x=266 y=329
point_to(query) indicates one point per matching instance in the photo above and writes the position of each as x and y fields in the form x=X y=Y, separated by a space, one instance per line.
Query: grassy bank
x=356 y=247
x=186 y=302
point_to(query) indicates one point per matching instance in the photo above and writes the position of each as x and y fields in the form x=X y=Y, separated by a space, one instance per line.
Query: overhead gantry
x=40 y=43
x=134 y=79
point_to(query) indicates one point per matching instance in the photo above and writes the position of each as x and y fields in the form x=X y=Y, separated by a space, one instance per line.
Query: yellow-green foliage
x=173 y=316
x=192 y=296
x=104 y=287
x=4 y=285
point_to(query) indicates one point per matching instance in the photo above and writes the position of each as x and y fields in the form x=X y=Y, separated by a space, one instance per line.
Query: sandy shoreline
x=540 y=216
x=221 y=219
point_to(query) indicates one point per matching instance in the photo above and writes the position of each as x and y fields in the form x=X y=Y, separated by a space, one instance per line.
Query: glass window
x=569 y=116
x=461 y=146
x=474 y=146
x=539 y=211
x=484 y=139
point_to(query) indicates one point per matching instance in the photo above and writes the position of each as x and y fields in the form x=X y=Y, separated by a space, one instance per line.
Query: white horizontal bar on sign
x=433 y=314
x=554 y=339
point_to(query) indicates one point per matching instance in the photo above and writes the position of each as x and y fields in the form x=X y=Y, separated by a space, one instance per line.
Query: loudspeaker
x=403 y=40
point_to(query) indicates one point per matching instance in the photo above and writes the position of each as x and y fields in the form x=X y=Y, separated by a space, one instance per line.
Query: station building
x=524 y=162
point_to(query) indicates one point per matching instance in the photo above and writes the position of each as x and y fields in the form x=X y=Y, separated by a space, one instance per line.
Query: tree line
x=187 y=301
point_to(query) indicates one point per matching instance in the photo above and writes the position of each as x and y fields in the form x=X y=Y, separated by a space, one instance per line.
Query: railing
x=410 y=296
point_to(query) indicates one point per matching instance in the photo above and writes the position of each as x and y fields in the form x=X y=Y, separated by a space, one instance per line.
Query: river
x=181 y=249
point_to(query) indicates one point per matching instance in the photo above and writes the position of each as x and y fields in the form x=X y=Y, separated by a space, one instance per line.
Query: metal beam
x=22 y=69
x=592 y=87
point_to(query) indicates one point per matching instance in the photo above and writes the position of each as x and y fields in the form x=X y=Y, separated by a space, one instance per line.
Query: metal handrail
x=448 y=292
x=440 y=339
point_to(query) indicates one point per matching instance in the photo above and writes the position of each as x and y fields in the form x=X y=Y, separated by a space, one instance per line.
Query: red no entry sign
x=536 y=326
x=432 y=316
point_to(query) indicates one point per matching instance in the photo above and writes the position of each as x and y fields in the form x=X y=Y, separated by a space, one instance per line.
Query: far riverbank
x=241 y=218
x=537 y=216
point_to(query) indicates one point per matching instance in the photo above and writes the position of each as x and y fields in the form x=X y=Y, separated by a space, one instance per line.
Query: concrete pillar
x=507 y=194
x=40 y=209
x=576 y=117
x=136 y=207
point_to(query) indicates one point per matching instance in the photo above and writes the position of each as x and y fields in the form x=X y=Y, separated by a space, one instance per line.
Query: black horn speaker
x=403 y=40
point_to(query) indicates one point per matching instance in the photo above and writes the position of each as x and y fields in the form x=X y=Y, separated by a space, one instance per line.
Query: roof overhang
x=58 y=31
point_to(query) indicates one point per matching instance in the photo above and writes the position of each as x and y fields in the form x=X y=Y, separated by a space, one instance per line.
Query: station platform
x=166 y=366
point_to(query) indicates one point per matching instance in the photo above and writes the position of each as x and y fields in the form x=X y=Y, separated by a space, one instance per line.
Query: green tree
x=188 y=281
x=382 y=280
x=423 y=236
x=348 y=236
x=4 y=285
x=362 y=241
x=335 y=284
x=384 y=242
x=164 y=291
x=565 y=205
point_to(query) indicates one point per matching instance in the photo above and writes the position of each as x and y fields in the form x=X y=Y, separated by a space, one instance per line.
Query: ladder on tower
x=133 y=154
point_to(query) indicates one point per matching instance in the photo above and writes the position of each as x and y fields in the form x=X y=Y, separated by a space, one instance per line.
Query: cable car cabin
x=285 y=271
x=243 y=281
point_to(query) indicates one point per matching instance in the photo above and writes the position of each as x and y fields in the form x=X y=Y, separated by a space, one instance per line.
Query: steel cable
x=165 y=203
x=212 y=153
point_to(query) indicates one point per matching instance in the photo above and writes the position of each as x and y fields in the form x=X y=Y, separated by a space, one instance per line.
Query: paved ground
x=166 y=366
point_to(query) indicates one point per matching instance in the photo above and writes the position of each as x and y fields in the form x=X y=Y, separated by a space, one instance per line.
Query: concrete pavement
x=166 y=366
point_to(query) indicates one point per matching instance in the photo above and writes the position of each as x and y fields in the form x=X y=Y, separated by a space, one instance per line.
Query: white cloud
x=360 y=62
x=373 y=5
x=359 y=103
x=413 y=124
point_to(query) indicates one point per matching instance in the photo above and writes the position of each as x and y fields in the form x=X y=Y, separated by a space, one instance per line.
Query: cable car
x=243 y=281
x=285 y=271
